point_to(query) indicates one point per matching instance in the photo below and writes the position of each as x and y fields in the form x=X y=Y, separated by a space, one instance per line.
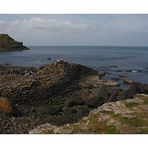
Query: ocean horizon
x=119 y=60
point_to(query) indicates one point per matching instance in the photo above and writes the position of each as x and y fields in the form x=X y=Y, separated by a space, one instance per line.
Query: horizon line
x=91 y=45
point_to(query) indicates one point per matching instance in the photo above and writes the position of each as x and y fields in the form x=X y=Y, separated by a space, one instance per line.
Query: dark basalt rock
x=9 y=44
x=56 y=93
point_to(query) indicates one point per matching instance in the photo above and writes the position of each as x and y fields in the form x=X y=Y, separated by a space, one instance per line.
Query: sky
x=77 y=29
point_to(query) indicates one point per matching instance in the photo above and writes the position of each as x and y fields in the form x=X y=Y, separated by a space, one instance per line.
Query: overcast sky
x=101 y=29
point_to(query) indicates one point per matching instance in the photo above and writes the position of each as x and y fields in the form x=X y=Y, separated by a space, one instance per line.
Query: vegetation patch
x=50 y=132
x=111 y=129
x=135 y=121
x=122 y=119
x=93 y=119
x=101 y=127
x=144 y=130
x=145 y=101
x=131 y=104
x=108 y=112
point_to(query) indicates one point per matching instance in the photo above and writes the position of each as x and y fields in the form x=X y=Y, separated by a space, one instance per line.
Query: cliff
x=9 y=44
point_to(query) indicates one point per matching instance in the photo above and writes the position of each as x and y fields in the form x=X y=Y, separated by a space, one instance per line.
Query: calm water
x=101 y=58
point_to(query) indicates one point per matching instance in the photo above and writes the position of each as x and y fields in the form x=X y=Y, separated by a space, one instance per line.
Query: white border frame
x=73 y=6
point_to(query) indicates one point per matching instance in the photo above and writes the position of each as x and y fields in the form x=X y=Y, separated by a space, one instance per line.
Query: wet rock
x=126 y=80
x=113 y=66
x=74 y=101
x=134 y=70
x=123 y=76
x=115 y=79
x=119 y=70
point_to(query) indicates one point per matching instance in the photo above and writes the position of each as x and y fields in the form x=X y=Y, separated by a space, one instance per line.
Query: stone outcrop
x=126 y=117
x=9 y=44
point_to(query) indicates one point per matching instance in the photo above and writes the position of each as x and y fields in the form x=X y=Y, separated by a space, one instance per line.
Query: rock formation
x=9 y=44
x=121 y=117
x=58 y=93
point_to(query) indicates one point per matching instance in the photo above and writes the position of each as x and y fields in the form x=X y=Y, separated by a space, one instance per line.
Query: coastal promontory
x=9 y=44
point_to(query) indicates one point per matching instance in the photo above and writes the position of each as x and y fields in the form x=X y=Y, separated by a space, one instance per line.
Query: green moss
x=76 y=130
x=93 y=118
x=131 y=104
x=108 y=112
x=135 y=121
x=144 y=130
x=50 y=132
x=145 y=101
x=122 y=119
x=111 y=129
x=101 y=127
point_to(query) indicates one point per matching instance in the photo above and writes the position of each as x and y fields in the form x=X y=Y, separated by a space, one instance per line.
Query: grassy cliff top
x=6 y=39
x=8 y=43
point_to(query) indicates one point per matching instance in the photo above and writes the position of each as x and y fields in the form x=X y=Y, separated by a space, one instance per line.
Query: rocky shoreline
x=58 y=93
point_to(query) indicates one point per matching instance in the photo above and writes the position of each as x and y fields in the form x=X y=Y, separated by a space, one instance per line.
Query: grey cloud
x=49 y=24
x=77 y=29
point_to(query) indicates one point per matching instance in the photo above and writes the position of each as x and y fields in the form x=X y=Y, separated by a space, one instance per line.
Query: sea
x=116 y=61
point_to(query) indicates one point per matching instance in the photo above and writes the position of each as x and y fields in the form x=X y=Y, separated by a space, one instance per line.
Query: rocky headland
x=60 y=94
x=9 y=44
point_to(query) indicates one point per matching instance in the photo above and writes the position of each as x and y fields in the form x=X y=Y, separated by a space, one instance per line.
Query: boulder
x=5 y=105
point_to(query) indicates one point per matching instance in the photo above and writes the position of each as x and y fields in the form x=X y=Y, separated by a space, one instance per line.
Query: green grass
x=108 y=112
x=111 y=129
x=122 y=119
x=145 y=101
x=50 y=132
x=93 y=118
x=131 y=104
x=144 y=130
x=135 y=121
x=101 y=127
